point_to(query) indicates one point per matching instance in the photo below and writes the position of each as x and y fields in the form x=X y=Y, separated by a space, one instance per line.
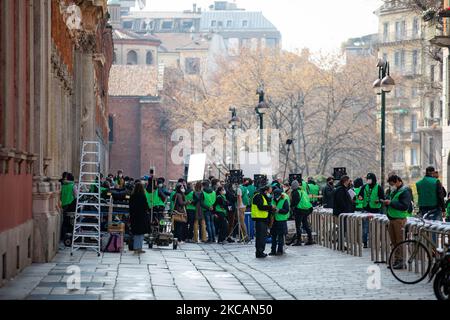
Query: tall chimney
x=194 y=8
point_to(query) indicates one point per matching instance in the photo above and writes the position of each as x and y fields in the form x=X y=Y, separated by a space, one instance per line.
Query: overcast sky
x=321 y=25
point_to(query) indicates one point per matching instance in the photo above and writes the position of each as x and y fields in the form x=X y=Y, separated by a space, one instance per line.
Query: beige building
x=414 y=107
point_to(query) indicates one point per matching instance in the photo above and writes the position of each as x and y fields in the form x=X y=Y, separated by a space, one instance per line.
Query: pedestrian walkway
x=200 y=271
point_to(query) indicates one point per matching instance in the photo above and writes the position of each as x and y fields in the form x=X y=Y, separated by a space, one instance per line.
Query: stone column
x=84 y=88
x=45 y=219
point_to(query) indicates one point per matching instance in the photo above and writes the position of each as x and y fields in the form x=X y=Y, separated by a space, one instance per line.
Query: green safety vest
x=245 y=199
x=190 y=197
x=448 y=210
x=358 y=203
x=304 y=202
x=313 y=189
x=394 y=213
x=255 y=212
x=210 y=198
x=426 y=190
x=279 y=205
x=219 y=208
x=67 y=196
x=251 y=191
x=172 y=200
x=154 y=199
x=370 y=197
x=305 y=186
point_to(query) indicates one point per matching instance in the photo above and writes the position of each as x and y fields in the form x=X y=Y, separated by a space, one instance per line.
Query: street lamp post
x=233 y=122
x=260 y=112
x=384 y=84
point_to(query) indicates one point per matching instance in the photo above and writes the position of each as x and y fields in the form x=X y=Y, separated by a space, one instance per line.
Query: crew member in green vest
x=190 y=210
x=210 y=199
x=261 y=207
x=313 y=191
x=220 y=210
x=251 y=191
x=243 y=201
x=398 y=206
x=156 y=198
x=372 y=196
x=357 y=187
x=68 y=202
x=279 y=227
x=301 y=207
x=429 y=191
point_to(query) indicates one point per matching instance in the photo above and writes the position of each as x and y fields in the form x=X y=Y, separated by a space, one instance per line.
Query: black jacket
x=231 y=197
x=328 y=198
x=342 y=202
x=139 y=218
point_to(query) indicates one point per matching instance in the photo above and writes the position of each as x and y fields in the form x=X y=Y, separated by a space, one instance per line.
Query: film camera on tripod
x=235 y=177
x=338 y=173
x=260 y=180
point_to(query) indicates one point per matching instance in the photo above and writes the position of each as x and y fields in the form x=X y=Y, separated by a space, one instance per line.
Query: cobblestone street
x=198 y=271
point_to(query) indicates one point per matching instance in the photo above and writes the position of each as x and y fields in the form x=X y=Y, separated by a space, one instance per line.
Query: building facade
x=414 y=107
x=365 y=46
x=139 y=136
x=438 y=32
x=54 y=82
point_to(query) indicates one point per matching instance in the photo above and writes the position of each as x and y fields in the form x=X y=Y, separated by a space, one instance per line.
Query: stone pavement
x=211 y=271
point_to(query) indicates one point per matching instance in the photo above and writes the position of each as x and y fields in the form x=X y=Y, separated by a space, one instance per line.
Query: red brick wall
x=124 y=152
x=61 y=37
x=138 y=142
x=153 y=144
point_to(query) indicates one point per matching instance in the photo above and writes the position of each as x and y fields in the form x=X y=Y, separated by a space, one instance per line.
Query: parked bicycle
x=441 y=284
x=411 y=260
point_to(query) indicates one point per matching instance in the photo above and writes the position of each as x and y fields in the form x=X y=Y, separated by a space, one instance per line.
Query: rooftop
x=121 y=34
x=176 y=41
x=136 y=80
x=255 y=20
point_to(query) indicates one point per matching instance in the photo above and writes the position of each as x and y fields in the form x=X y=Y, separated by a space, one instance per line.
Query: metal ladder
x=86 y=234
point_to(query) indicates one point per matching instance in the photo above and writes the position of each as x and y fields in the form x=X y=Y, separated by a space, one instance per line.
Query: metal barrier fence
x=345 y=233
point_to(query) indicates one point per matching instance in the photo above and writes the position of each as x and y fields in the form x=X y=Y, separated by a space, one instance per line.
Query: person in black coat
x=139 y=218
x=261 y=224
x=327 y=193
x=342 y=202
x=231 y=196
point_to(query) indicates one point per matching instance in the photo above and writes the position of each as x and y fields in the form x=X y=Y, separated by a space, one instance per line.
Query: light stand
x=288 y=143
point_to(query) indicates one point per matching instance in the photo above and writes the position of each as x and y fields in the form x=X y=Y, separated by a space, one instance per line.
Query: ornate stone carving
x=60 y=70
x=6 y=155
x=86 y=42
x=31 y=158
x=19 y=157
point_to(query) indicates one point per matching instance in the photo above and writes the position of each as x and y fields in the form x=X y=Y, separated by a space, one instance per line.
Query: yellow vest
x=256 y=213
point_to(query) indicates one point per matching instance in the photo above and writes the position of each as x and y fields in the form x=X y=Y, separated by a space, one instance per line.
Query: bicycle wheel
x=441 y=285
x=410 y=262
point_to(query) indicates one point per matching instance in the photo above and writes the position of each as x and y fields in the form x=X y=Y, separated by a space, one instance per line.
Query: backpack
x=114 y=243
